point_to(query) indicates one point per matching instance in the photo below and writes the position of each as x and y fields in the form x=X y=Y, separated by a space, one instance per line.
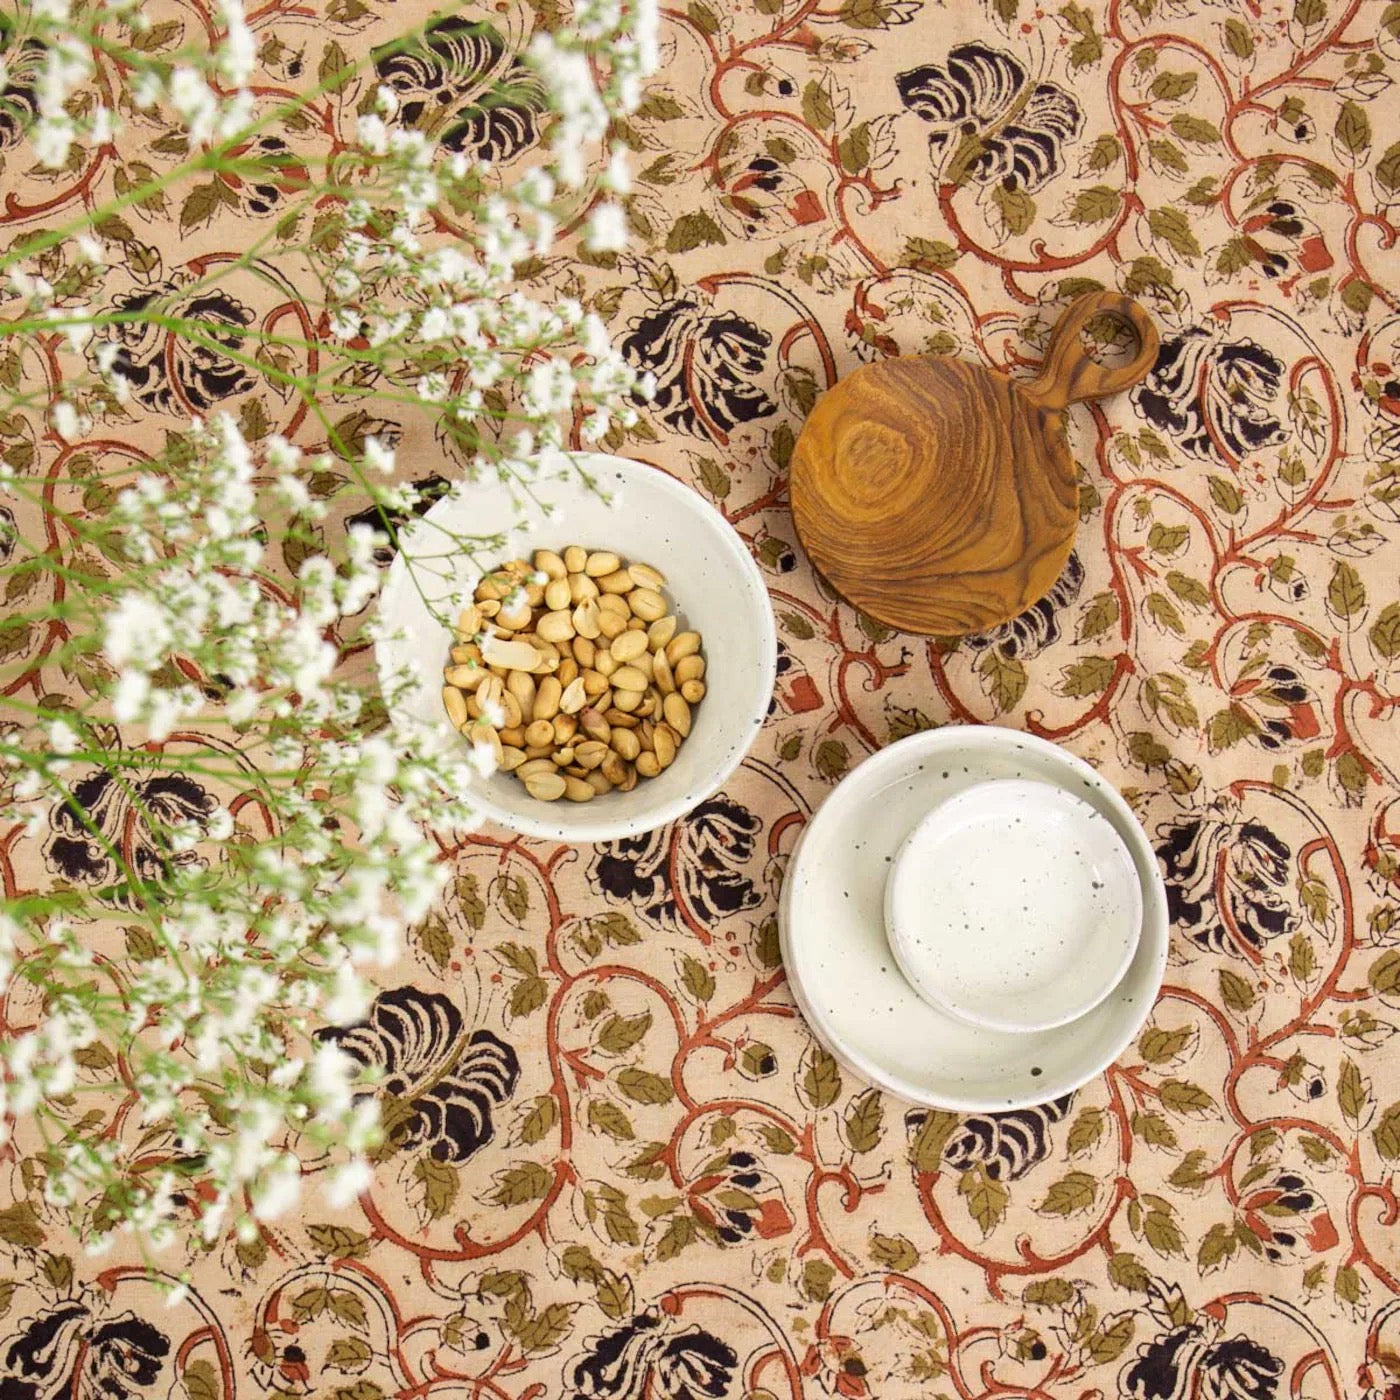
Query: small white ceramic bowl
x=712 y=582
x=1014 y=905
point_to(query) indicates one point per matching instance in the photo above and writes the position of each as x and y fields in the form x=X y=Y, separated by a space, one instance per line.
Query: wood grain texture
x=939 y=496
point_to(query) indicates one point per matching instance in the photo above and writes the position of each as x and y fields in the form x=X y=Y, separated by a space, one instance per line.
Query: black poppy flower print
x=1027 y=635
x=444 y=1085
x=381 y=519
x=1214 y=395
x=459 y=84
x=1006 y=1145
x=707 y=855
x=1187 y=1361
x=68 y=1352
x=992 y=124
x=19 y=105
x=113 y=833
x=654 y=1357
x=170 y=373
x=708 y=365
x=1204 y=857
x=1288 y=1217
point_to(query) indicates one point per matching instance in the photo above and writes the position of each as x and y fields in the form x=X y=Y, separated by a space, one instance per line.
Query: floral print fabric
x=617 y=1164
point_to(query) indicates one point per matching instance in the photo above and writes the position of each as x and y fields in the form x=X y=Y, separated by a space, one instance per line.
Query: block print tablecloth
x=642 y=1178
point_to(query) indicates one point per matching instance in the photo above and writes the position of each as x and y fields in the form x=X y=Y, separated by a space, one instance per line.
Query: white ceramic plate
x=712 y=579
x=844 y=976
x=1014 y=905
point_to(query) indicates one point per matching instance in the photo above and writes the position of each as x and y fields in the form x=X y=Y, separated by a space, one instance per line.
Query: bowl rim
x=1154 y=942
x=951 y=1003
x=583 y=828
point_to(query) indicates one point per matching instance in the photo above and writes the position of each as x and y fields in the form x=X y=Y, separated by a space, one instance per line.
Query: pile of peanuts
x=572 y=671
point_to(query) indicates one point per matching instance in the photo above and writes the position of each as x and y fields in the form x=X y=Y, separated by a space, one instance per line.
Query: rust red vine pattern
x=620 y=1167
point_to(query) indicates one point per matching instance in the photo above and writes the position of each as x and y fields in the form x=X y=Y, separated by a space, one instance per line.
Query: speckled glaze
x=1014 y=905
x=711 y=578
x=846 y=981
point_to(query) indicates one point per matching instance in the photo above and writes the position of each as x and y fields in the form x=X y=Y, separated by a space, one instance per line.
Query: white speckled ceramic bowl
x=712 y=582
x=845 y=979
x=1014 y=905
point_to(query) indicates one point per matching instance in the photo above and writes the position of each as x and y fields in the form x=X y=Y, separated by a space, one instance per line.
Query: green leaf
x=1353 y=1096
x=347 y=1306
x=335 y=69
x=1048 y=1293
x=1238 y=39
x=893 y=1252
x=20 y=1226
x=1172 y=227
x=1384 y=634
x=1111 y=1339
x=1386 y=1133
x=831 y=759
x=1100 y=613
x=440 y=1185
x=1163 y=1233
x=1346 y=594
x=865 y=1121
x=1164 y=613
x=1353 y=128
x=620 y=1033
x=199 y=207
x=348 y=1354
x=821 y=1081
x=703 y=17
x=606 y=1117
x=1157 y=1045
x=1388 y=169
x=1181 y=1096
x=543 y=1114
x=1302 y=958
x=516 y=1185
x=1071 y=1195
x=1085 y=1131
x=1235 y=992
x=1126 y=1271
x=926 y=1147
x=642 y=1086
x=698 y=979
x=1227 y=727
x=338 y=1242
x=1091 y=676
x=1167 y=539
x=1190 y=1171
x=1168 y=86
x=1225 y=495
x=1095 y=204
x=816 y=106
x=817 y=1278
x=986 y=1199
x=1216 y=1248
x=678 y=1234
x=528 y=995
x=1154 y=1130
x=691 y=231
x=1003 y=679
x=201 y=1380
x=1196 y=129
x=1017 y=209
x=1104 y=153
x=435 y=939
x=929 y=253
x=854 y=150
x=1168 y=154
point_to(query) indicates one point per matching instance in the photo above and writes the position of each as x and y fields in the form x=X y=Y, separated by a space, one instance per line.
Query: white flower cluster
x=305 y=853
x=210 y=110
x=250 y=963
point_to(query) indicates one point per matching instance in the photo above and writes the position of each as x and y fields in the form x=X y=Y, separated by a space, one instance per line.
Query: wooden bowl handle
x=1068 y=374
